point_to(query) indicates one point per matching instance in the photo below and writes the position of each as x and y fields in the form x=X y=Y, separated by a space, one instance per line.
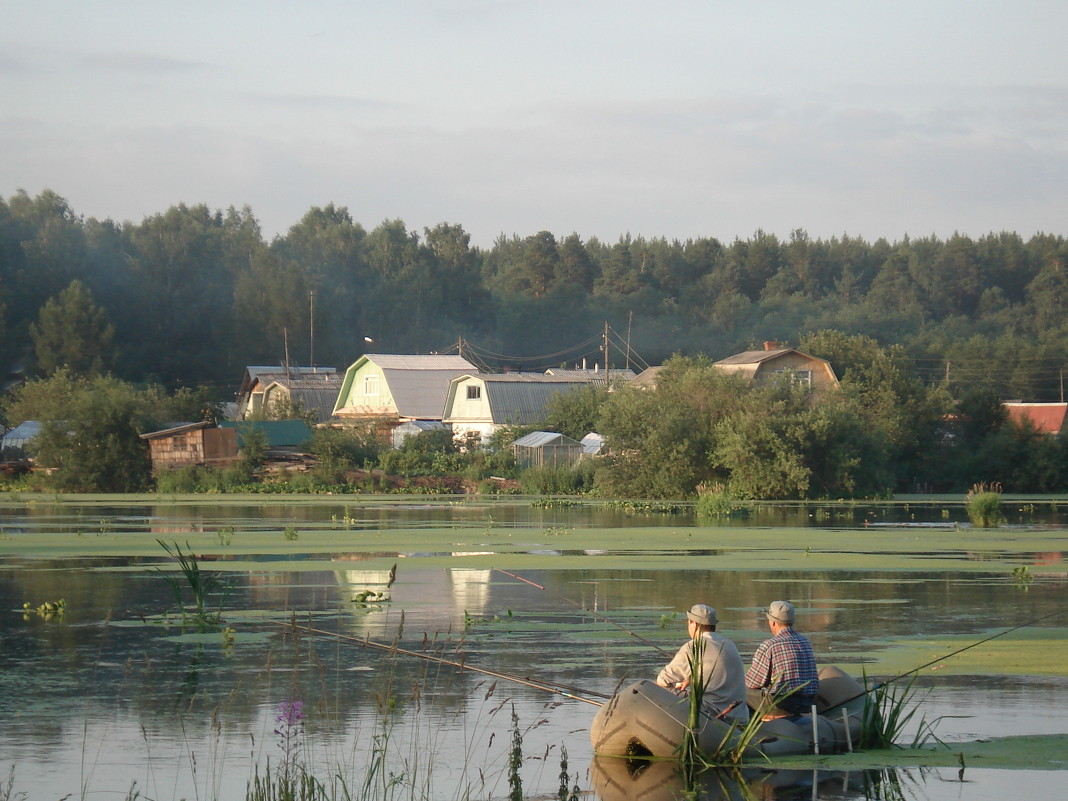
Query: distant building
x=594 y=376
x=310 y=393
x=190 y=444
x=483 y=403
x=257 y=379
x=1045 y=418
x=392 y=388
x=775 y=363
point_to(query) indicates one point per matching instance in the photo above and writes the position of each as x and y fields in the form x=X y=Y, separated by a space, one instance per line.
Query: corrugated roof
x=273 y=372
x=420 y=393
x=433 y=361
x=1046 y=418
x=593 y=376
x=521 y=398
x=315 y=393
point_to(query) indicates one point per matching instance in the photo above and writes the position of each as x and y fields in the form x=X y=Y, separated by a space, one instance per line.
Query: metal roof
x=433 y=361
x=268 y=373
x=1045 y=418
x=314 y=392
x=420 y=394
x=593 y=376
x=521 y=398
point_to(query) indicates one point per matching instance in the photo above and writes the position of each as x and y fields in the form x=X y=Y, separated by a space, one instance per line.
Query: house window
x=802 y=377
x=370 y=385
x=474 y=392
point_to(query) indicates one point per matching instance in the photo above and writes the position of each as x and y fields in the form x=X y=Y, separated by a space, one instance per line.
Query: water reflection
x=614 y=779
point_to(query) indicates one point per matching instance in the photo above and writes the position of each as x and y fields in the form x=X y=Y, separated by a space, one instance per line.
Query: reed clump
x=983 y=505
x=889 y=711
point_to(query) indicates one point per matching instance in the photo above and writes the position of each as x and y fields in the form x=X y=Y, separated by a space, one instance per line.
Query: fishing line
x=947 y=656
x=588 y=611
x=559 y=689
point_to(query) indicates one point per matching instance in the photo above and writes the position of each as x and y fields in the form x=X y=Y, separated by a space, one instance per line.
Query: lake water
x=115 y=694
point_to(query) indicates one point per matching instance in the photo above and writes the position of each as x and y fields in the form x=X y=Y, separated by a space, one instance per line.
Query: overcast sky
x=876 y=118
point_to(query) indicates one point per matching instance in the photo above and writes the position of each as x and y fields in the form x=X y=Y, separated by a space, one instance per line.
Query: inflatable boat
x=647 y=720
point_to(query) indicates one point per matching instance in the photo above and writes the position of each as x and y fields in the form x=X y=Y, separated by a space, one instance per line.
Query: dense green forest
x=191 y=295
x=921 y=332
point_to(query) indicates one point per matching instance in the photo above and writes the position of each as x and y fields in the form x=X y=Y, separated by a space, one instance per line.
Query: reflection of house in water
x=433 y=601
x=295 y=590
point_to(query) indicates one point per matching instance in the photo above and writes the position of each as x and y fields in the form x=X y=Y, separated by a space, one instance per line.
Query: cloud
x=139 y=63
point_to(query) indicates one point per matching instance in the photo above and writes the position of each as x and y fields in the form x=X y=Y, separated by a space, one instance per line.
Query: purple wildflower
x=290 y=715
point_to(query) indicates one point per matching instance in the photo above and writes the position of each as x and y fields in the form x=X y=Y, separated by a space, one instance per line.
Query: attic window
x=802 y=377
x=370 y=385
x=474 y=393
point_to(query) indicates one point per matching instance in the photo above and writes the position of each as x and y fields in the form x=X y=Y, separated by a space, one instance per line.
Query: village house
x=390 y=389
x=483 y=403
x=774 y=363
x=257 y=379
x=311 y=394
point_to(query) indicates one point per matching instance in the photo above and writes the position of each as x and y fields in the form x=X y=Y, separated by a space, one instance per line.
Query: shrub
x=714 y=502
x=983 y=505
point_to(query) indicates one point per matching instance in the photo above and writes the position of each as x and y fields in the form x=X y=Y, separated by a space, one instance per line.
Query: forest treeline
x=191 y=295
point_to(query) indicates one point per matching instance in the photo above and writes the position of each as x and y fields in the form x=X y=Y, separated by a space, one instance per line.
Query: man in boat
x=721 y=666
x=783 y=672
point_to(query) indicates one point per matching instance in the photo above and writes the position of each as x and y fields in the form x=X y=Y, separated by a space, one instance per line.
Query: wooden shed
x=187 y=444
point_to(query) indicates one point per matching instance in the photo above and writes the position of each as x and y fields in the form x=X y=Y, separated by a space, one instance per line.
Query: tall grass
x=200 y=586
x=983 y=505
x=889 y=711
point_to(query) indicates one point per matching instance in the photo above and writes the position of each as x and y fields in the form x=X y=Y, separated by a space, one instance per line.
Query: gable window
x=802 y=377
x=370 y=385
x=474 y=392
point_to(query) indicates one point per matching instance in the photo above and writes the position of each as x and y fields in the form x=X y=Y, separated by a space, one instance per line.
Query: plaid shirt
x=785 y=662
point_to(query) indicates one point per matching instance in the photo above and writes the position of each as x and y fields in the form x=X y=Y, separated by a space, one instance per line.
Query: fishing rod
x=882 y=684
x=567 y=692
x=577 y=605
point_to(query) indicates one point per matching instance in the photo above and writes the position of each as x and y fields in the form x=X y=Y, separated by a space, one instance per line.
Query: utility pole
x=311 y=327
x=607 y=374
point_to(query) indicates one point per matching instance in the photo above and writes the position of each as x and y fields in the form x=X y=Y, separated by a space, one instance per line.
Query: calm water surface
x=113 y=695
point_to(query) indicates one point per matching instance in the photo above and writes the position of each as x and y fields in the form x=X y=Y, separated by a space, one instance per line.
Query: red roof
x=1045 y=418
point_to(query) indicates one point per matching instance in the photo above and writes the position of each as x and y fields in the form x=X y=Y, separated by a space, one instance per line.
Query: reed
x=983 y=505
x=200 y=586
x=889 y=711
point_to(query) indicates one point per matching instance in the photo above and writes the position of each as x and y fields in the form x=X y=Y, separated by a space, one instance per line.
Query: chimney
x=771 y=344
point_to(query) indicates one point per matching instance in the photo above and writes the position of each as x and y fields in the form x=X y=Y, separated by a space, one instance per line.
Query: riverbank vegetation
x=698 y=434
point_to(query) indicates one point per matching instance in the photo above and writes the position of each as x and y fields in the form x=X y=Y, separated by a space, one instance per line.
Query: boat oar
x=882 y=684
x=598 y=615
x=559 y=689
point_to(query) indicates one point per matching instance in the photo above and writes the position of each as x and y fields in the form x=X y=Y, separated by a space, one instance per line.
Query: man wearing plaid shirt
x=783 y=664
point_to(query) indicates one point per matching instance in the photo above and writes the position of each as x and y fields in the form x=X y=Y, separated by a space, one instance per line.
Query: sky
x=662 y=118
